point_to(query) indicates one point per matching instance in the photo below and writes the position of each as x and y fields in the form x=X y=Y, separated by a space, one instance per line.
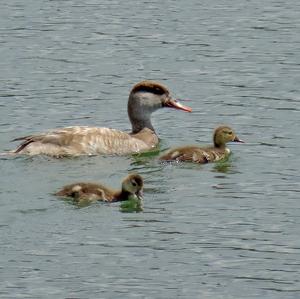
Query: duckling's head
x=224 y=134
x=134 y=184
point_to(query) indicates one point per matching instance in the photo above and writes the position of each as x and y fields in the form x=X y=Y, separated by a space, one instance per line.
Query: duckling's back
x=87 y=191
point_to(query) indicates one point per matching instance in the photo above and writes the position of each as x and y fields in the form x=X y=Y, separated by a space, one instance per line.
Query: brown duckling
x=132 y=188
x=217 y=152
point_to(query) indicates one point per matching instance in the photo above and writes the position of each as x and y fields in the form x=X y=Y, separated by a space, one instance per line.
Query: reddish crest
x=150 y=86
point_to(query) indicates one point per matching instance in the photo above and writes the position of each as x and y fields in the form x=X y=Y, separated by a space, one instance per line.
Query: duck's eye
x=134 y=183
x=230 y=132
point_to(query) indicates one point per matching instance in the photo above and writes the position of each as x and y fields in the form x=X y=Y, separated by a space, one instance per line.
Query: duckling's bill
x=237 y=139
x=140 y=194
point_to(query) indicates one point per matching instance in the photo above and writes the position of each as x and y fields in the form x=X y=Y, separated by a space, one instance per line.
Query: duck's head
x=224 y=134
x=133 y=184
x=145 y=98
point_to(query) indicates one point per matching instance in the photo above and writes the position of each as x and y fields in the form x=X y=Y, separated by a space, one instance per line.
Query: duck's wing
x=57 y=137
x=189 y=154
x=80 y=141
x=86 y=191
x=72 y=190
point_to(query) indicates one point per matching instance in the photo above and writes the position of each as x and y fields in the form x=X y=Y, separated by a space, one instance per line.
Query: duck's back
x=72 y=141
x=88 y=191
x=195 y=154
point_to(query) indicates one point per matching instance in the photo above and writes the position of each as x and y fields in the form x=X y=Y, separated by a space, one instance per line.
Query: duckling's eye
x=134 y=183
x=230 y=132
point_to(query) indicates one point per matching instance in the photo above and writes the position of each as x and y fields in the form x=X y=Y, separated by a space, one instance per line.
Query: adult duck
x=132 y=189
x=144 y=98
x=197 y=154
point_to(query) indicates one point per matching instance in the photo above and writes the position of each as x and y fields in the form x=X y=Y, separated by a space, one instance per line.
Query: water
x=212 y=231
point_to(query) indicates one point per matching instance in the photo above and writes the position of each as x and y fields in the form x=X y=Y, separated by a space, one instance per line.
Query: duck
x=216 y=152
x=131 y=189
x=145 y=97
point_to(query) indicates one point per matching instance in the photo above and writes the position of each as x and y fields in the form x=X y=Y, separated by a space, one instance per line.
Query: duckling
x=196 y=154
x=132 y=188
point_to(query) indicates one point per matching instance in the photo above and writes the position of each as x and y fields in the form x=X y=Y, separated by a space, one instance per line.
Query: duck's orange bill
x=171 y=103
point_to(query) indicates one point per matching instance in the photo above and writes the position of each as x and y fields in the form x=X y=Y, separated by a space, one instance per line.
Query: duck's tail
x=8 y=153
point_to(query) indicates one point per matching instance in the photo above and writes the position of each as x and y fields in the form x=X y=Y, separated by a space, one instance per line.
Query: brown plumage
x=132 y=187
x=217 y=152
x=144 y=98
x=150 y=86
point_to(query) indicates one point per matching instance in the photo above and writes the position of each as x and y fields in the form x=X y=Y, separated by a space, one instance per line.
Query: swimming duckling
x=217 y=152
x=132 y=188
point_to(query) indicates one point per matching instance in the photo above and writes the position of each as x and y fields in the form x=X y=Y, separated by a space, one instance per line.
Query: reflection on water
x=223 y=166
x=79 y=203
x=144 y=158
x=127 y=206
x=131 y=206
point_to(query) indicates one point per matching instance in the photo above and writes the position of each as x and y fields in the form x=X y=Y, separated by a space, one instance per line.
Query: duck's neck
x=140 y=107
x=121 y=195
x=139 y=116
x=218 y=140
x=219 y=144
x=139 y=124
